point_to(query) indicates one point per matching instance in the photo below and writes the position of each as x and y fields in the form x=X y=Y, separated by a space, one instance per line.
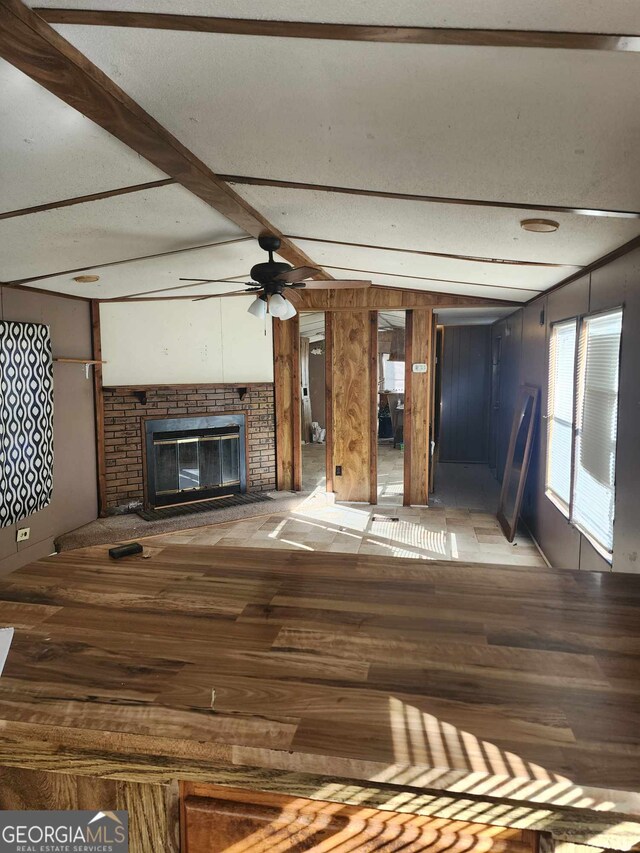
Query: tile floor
x=460 y=523
x=390 y=471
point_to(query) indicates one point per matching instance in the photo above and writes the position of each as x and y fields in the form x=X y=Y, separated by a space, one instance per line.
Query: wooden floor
x=514 y=682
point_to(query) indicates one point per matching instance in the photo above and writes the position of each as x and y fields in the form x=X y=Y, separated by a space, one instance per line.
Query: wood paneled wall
x=383 y=298
x=352 y=404
x=417 y=404
x=286 y=351
x=351 y=344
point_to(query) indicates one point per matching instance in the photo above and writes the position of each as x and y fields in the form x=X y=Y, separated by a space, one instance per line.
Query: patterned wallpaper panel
x=26 y=420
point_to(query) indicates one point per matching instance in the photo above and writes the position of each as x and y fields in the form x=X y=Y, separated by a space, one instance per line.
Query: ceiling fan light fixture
x=278 y=306
x=258 y=308
x=291 y=311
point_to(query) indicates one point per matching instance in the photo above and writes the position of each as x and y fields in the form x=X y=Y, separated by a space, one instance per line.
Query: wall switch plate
x=22 y=534
x=338 y=470
x=419 y=368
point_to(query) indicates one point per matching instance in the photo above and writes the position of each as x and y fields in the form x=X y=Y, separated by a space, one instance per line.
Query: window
x=582 y=423
x=562 y=357
x=392 y=375
x=596 y=427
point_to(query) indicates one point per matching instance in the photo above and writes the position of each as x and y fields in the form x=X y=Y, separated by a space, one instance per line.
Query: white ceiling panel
x=163 y=273
x=460 y=289
x=612 y=16
x=520 y=125
x=50 y=152
x=112 y=229
x=373 y=261
x=452 y=228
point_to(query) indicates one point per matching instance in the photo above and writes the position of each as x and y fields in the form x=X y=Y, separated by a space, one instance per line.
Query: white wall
x=183 y=342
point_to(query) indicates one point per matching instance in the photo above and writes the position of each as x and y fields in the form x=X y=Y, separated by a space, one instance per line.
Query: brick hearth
x=124 y=432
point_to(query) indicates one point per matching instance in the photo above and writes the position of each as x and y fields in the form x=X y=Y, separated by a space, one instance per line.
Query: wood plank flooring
x=512 y=682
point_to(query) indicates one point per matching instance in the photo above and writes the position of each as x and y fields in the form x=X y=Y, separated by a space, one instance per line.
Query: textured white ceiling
x=401 y=263
x=133 y=277
x=50 y=152
x=112 y=229
x=520 y=125
x=612 y=16
x=483 y=290
x=479 y=231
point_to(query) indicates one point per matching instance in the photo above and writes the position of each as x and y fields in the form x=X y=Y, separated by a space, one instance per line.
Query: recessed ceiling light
x=541 y=226
x=86 y=279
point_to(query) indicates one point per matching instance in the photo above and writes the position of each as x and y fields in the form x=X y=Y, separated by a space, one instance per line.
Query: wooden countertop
x=464 y=687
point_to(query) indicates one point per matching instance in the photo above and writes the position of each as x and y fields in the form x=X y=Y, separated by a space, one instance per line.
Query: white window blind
x=596 y=422
x=562 y=354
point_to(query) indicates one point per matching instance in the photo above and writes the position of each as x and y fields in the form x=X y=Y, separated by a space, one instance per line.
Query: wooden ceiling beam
x=34 y=47
x=348 y=32
x=83 y=199
x=431 y=199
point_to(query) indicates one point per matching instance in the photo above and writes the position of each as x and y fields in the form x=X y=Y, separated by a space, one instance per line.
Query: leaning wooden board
x=496 y=696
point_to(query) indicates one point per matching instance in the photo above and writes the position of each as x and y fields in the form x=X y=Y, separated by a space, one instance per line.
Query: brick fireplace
x=127 y=410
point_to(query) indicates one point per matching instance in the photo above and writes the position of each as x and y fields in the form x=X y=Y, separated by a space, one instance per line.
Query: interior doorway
x=463 y=397
x=465 y=402
x=388 y=417
x=390 y=407
x=313 y=395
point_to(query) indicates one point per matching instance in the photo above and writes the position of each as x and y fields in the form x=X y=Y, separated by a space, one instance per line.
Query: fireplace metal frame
x=150 y=426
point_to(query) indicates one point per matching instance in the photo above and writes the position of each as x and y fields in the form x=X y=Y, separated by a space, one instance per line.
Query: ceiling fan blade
x=297 y=274
x=253 y=292
x=356 y=284
x=212 y=280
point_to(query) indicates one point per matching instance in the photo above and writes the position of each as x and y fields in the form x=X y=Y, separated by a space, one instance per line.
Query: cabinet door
x=243 y=821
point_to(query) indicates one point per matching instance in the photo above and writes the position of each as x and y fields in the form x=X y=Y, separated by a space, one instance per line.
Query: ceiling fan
x=271 y=279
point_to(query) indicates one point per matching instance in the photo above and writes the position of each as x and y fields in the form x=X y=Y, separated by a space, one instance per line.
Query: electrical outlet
x=23 y=534
x=338 y=470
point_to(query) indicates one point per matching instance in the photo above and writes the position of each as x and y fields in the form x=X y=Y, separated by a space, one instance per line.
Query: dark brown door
x=466 y=394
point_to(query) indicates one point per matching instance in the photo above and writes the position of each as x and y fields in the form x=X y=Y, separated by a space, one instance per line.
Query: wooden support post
x=351 y=392
x=417 y=394
x=373 y=390
x=286 y=352
x=328 y=381
x=98 y=402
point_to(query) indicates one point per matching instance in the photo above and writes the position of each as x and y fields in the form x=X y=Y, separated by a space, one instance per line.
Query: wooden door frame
x=328 y=391
x=288 y=417
x=373 y=407
x=407 y=420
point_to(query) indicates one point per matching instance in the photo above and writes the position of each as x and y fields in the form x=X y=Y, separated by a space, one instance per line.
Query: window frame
x=568 y=511
x=556 y=500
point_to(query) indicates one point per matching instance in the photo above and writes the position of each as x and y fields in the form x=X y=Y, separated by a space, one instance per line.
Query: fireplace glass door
x=188 y=465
